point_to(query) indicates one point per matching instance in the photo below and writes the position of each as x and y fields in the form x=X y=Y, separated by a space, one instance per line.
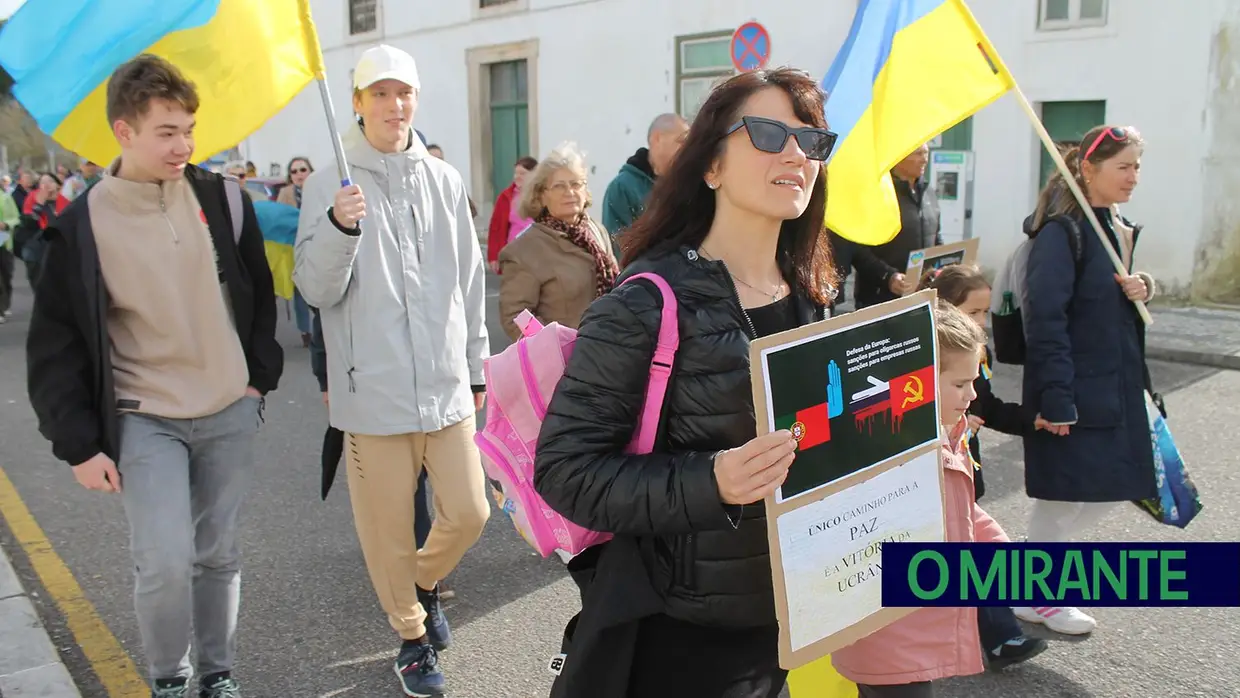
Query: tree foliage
x=20 y=133
x=6 y=80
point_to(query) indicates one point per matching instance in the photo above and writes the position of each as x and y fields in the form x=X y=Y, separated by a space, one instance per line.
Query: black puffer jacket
x=707 y=571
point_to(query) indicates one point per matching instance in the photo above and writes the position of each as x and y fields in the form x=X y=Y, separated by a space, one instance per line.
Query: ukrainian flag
x=279 y=225
x=909 y=70
x=248 y=58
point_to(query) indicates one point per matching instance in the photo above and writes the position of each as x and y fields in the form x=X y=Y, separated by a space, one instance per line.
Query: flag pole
x=315 y=53
x=1051 y=148
x=342 y=166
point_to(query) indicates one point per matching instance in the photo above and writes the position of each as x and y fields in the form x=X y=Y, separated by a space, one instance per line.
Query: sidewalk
x=29 y=664
x=1202 y=336
x=1199 y=336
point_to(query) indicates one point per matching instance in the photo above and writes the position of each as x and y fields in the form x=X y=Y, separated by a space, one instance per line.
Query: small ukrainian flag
x=279 y=225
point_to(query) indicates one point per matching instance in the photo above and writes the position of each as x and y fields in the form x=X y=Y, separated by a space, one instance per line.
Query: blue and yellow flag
x=279 y=225
x=248 y=59
x=909 y=70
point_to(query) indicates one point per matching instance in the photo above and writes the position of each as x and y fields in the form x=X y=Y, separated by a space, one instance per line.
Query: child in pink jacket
x=904 y=658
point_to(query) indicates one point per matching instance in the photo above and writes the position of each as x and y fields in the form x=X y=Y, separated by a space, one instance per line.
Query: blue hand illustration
x=835 y=391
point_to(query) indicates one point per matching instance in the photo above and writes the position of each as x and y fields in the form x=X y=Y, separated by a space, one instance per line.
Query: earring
x=712 y=185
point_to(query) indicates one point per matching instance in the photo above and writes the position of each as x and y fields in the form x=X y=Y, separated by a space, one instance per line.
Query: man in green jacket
x=9 y=217
x=626 y=195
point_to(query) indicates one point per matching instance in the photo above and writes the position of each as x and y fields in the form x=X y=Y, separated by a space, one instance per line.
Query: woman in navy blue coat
x=1085 y=364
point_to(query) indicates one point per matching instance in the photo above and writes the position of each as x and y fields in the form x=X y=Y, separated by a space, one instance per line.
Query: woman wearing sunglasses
x=299 y=169
x=681 y=602
x=1085 y=369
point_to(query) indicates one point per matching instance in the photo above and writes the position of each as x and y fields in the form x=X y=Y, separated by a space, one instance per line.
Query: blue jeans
x=421 y=513
x=301 y=311
x=184 y=482
x=997 y=625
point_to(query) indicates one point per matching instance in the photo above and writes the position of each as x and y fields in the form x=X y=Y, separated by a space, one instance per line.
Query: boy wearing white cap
x=393 y=264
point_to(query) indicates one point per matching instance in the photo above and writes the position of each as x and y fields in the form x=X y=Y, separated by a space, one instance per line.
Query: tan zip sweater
x=175 y=350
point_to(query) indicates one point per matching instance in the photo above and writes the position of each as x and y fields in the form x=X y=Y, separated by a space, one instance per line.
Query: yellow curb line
x=109 y=660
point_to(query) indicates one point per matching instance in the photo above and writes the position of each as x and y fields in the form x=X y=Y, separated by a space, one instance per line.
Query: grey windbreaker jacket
x=403 y=303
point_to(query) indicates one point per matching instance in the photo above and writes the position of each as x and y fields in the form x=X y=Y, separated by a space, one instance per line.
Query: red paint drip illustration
x=865 y=417
x=896 y=397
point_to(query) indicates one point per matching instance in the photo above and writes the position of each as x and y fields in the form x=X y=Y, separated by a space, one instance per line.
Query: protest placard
x=860 y=395
x=921 y=261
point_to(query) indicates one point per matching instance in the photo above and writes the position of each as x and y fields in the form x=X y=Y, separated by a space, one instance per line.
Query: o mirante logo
x=1061 y=574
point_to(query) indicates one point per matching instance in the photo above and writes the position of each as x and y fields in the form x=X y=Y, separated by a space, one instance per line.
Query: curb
x=1210 y=359
x=30 y=667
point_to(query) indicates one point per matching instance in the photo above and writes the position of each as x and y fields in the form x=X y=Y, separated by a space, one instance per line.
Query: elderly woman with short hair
x=564 y=260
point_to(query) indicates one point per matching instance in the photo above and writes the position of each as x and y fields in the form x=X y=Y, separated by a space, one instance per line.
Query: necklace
x=777 y=294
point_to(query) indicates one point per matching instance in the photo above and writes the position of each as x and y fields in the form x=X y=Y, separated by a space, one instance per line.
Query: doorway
x=510 y=125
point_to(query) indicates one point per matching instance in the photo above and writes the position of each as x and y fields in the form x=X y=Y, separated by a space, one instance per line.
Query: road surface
x=311 y=626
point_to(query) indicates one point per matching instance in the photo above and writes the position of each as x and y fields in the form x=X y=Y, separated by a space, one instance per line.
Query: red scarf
x=582 y=235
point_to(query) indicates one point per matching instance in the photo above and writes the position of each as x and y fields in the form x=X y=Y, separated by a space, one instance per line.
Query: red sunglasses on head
x=1117 y=133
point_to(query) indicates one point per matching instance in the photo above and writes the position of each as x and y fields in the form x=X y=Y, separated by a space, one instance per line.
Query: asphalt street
x=311 y=625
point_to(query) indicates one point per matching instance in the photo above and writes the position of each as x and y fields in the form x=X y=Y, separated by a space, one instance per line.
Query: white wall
x=1131 y=63
x=606 y=67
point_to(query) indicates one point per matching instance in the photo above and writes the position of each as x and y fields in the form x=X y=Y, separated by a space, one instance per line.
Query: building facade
x=505 y=78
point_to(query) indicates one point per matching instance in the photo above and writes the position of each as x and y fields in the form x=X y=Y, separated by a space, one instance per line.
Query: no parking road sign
x=751 y=47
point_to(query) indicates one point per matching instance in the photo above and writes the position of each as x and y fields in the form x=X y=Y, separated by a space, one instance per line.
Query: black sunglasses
x=770 y=136
x=298 y=170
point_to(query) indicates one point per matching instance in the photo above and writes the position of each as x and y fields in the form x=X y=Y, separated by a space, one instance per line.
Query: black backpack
x=1009 y=295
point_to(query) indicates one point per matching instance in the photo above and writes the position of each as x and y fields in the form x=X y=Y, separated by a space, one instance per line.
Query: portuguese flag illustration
x=810 y=426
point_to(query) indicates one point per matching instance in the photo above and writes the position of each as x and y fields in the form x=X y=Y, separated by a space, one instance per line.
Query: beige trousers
x=383 y=478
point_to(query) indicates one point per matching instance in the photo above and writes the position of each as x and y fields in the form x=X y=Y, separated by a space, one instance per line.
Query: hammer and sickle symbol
x=915 y=391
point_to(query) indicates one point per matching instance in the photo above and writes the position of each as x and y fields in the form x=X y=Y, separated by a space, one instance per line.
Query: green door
x=958 y=137
x=1067 y=122
x=510 y=136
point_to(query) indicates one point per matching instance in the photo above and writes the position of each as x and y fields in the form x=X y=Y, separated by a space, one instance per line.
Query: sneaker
x=418 y=669
x=446 y=592
x=219 y=686
x=170 y=688
x=1022 y=649
x=436 y=622
x=1064 y=620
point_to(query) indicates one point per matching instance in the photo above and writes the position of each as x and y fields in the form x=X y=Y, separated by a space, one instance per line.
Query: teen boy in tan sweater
x=151 y=344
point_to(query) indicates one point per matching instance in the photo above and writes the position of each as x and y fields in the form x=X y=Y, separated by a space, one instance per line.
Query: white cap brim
x=397 y=75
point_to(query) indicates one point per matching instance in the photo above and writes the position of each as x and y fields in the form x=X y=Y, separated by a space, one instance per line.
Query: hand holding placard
x=748 y=474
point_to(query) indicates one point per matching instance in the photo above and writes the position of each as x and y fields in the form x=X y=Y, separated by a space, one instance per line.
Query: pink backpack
x=520 y=382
